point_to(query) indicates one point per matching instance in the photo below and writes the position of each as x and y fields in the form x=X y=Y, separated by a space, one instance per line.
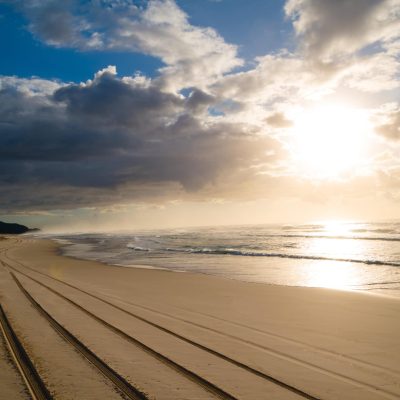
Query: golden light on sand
x=330 y=140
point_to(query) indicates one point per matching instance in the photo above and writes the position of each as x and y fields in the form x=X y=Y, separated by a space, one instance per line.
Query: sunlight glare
x=337 y=227
x=332 y=244
x=330 y=140
x=332 y=275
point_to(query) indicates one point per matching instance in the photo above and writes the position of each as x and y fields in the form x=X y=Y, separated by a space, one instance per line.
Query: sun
x=329 y=141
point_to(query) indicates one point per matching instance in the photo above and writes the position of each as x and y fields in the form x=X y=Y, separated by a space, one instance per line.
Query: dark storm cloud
x=38 y=128
x=112 y=101
x=115 y=140
x=199 y=101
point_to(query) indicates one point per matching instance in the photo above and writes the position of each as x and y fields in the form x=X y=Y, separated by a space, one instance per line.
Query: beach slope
x=166 y=335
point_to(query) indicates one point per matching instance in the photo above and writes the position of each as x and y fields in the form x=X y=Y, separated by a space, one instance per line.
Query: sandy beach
x=176 y=336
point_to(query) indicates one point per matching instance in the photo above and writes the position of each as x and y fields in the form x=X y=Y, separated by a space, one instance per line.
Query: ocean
x=347 y=256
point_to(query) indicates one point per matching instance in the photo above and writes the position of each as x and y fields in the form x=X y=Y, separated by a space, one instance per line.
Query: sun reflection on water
x=337 y=228
x=335 y=274
x=332 y=274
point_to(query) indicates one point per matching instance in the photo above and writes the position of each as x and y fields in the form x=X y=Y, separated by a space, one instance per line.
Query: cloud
x=29 y=86
x=354 y=43
x=54 y=22
x=199 y=57
x=330 y=29
x=192 y=55
x=115 y=140
x=388 y=122
x=342 y=45
x=273 y=76
x=372 y=73
x=279 y=120
x=108 y=100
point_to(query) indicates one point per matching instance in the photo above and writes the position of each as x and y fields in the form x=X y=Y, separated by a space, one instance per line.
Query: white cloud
x=372 y=73
x=330 y=29
x=193 y=55
x=29 y=86
x=342 y=45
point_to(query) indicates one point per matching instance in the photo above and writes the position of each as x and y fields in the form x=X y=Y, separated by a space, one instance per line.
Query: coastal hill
x=6 y=228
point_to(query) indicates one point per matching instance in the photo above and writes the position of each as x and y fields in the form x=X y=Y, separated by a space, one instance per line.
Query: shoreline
x=324 y=343
x=63 y=253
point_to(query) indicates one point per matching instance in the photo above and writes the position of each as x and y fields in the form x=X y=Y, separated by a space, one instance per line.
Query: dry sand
x=251 y=341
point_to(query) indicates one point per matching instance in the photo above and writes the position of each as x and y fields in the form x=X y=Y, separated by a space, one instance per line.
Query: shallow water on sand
x=350 y=256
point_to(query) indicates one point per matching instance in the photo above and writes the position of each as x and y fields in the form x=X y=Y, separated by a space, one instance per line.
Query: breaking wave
x=245 y=253
x=380 y=238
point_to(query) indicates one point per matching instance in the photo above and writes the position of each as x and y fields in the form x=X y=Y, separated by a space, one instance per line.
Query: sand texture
x=186 y=336
x=11 y=383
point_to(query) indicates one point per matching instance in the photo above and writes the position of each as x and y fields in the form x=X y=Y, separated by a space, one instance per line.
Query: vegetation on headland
x=14 y=229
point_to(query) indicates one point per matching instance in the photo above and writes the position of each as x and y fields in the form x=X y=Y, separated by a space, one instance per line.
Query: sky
x=131 y=114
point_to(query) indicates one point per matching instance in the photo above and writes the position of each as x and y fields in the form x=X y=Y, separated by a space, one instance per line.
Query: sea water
x=348 y=256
